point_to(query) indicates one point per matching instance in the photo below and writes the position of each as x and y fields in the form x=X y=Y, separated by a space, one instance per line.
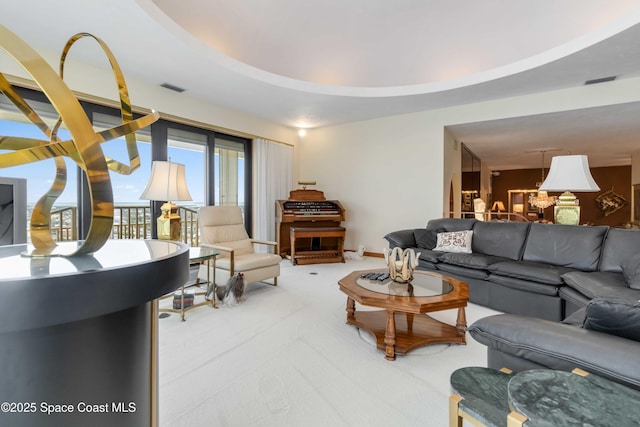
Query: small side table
x=198 y=254
x=543 y=397
x=479 y=395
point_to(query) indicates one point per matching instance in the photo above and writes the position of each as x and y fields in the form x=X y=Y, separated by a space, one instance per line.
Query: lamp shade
x=167 y=182
x=569 y=173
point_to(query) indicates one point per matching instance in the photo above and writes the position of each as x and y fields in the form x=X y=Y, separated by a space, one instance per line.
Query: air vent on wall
x=600 y=80
x=172 y=87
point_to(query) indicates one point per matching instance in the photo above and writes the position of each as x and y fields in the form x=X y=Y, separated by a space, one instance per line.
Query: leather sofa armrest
x=401 y=238
x=560 y=346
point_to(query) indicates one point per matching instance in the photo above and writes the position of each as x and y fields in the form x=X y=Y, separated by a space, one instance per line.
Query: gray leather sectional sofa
x=546 y=271
x=539 y=274
x=602 y=339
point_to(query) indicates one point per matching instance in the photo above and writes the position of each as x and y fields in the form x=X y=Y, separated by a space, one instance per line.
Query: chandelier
x=542 y=200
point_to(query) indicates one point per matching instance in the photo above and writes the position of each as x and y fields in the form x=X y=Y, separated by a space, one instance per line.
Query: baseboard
x=374 y=254
x=371 y=254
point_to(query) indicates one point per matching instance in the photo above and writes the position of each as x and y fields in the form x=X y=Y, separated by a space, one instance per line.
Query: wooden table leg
x=410 y=321
x=390 y=336
x=293 y=246
x=461 y=322
x=351 y=309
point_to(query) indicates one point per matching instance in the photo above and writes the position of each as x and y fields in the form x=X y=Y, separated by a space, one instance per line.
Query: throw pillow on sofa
x=631 y=271
x=615 y=317
x=454 y=241
x=427 y=239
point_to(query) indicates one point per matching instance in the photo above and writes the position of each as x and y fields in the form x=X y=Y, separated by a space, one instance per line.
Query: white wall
x=387 y=173
x=394 y=173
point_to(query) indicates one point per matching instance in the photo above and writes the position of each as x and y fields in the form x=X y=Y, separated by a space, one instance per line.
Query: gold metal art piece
x=83 y=148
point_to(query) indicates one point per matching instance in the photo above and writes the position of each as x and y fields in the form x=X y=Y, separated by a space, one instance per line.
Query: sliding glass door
x=218 y=168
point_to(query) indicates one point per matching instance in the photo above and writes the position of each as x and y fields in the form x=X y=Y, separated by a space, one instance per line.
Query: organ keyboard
x=306 y=210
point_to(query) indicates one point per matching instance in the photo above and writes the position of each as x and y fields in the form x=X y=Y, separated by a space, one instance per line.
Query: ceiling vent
x=600 y=80
x=172 y=87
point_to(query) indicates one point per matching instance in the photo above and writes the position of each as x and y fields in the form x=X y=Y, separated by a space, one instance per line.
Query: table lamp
x=569 y=173
x=167 y=183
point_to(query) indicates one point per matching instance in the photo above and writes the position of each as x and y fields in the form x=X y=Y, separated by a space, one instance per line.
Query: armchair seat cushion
x=248 y=262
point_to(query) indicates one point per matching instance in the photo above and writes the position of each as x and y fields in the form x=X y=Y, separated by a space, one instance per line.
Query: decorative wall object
x=83 y=148
x=609 y=201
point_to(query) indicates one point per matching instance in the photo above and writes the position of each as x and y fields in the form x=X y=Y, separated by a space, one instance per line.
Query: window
x=218 y=166
x=189 y=148
x=40 y=174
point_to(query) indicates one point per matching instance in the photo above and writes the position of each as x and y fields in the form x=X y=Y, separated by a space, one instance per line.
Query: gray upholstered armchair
x=222 y=228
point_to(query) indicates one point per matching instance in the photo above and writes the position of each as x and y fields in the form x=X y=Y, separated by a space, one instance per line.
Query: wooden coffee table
x=402 y=325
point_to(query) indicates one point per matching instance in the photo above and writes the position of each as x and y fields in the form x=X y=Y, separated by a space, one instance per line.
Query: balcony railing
x=64 y=224
x=129 y=222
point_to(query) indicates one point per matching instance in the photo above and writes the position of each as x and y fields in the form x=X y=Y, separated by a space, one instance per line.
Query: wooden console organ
x=308 y=228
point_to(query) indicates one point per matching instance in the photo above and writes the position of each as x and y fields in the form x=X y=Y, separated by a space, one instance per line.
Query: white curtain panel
x=272 y=180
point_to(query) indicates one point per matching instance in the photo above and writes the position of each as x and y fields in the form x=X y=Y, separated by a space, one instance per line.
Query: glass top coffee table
x=403 y=325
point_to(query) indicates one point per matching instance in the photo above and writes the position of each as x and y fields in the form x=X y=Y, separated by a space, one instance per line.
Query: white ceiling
x=321 y=62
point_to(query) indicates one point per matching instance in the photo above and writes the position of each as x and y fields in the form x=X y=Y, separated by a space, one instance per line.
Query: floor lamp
x=569 y=173
x=167 y=183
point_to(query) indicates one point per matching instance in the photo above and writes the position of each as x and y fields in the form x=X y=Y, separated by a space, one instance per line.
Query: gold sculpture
x=83 y=148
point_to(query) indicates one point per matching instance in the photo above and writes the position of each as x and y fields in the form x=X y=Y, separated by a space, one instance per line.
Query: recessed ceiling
x=413 y=44
x=317 y=63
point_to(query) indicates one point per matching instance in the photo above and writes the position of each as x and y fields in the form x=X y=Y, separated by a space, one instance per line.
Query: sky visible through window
x=126 y=188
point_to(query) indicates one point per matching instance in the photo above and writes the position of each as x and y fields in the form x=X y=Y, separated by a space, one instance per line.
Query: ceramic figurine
x=401 y=263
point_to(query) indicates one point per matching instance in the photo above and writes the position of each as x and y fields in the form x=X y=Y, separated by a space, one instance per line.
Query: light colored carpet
x=285 y=357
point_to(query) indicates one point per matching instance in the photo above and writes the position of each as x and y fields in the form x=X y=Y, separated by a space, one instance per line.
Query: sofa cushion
x=502 y=239
x=631 y=271
x=533 y=271
x=576 y=318
x=454 y=241
x=472 y=260
x=615 y=317
x=619 y=246
x=600 y=284
x=572 y=246
x=428 y=255
x=427 y=239
x=462 y=271
x=548 y=289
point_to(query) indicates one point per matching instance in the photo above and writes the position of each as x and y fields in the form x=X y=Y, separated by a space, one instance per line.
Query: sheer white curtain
x=272 y=180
